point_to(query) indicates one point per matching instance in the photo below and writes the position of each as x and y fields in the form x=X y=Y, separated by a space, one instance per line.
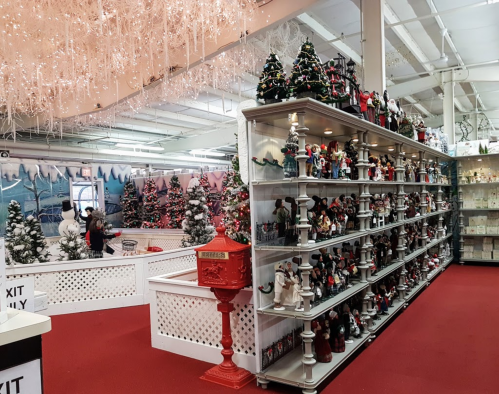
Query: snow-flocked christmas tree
x=38 y=244
x=130 y=205
x=205 y=184
x=175 y=204
x=272 y=86
x=151 y=216
x=237 y=220
x=18 y=241
x=72 y=246
x=195 y=225
x=307 y=74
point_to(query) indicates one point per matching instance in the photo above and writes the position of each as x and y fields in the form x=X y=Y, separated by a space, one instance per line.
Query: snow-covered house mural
x=41 y=186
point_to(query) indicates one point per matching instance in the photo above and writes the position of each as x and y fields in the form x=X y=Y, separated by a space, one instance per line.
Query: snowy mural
x=41 y=186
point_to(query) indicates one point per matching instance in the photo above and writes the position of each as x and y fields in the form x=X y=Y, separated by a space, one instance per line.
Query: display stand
x=478 y=197
x=269 y=126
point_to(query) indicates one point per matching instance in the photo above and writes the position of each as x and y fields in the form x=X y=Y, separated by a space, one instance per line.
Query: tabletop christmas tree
x=308 y=78
x=195 y=225
x=130 y=205
x=15 y=216
x=175 y=204
x=272 y=86
x=237 y=219
x=203 y=181
x=151 y=216
x=72 y=247
x=18 y=240
x=38 y=244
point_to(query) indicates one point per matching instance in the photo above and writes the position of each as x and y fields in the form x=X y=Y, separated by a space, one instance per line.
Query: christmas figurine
x=310 y=161
x=321 y=341
x=364 y=96
x=280 y=284
x=337 y=338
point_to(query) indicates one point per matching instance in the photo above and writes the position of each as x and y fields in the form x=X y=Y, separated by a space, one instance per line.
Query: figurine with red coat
x=321 y=341
x=363 y=97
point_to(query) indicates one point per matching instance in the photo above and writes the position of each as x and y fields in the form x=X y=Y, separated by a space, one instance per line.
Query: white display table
x=21 y=351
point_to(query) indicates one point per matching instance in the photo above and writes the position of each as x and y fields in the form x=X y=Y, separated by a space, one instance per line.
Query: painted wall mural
x=41 y=186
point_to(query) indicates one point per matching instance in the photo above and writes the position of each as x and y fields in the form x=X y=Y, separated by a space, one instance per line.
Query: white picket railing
x=185 y=320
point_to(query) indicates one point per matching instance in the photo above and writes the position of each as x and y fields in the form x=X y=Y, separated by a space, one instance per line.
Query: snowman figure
x=69 y=224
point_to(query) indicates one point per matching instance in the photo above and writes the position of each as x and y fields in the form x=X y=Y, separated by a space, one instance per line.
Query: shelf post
x=365 y=306
x=361 y=164
x=440 y=227
x=308 y=357
x=302 y=153
x=306 y=268
x=303 y=225
x=363 y=265
x=401 y=257
x=461 y=215
x=422 y=179
x=399 y=170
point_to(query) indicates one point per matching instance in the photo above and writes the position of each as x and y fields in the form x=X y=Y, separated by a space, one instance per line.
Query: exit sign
x=86 y=172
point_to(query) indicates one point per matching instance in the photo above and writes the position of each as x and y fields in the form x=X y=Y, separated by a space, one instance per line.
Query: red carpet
x=443 y=343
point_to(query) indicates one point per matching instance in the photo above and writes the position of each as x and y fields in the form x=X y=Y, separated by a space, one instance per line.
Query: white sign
x=20 y=294
x=3 y=279
x=22 y=379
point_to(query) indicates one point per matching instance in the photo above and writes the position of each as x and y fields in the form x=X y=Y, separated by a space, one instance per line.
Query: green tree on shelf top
x=272 y=84
x=307 y=74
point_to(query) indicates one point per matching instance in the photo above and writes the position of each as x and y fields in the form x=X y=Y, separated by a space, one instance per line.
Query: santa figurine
x=421 y=130
x=363 y=97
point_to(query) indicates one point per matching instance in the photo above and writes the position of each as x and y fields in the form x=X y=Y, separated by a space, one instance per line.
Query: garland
x=266 y=161
x=267 y=291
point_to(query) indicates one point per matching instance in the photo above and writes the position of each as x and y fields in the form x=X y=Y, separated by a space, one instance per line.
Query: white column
x=374 y=45
x=449 y=113
x=474 y=122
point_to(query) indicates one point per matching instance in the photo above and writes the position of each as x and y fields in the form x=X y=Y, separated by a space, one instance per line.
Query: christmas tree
x=237 y=219
x=203 y=181
x=15 y=216
x=72 y=247
x=195 y=224
x=130 y=205
x=38 y=244
x=151 y=216
x=307 y=74
x=272 y=85
x=175 y=204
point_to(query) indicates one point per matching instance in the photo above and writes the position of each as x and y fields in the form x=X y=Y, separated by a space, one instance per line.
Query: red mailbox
x=224 y=265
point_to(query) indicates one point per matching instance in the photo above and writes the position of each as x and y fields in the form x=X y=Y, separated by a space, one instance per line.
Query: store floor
x=445 y=342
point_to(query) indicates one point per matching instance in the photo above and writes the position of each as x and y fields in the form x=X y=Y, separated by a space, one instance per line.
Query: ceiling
x=207 y=119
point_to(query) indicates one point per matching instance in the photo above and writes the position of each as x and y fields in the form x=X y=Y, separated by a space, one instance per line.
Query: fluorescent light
x=206 y=152
x=138 y=146
x=328 y=132
x=127 y=153
x=479 y=159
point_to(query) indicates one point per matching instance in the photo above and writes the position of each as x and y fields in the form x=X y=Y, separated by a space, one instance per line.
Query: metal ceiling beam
x=439 y=120
x=223 y=94
x=206 y=107
x=327 y=35
x=210 y=140
x=176 y=116
x=149 y=126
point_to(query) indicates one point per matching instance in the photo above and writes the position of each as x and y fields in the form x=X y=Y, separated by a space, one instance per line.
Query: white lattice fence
x=197 y=320
x=171 y=264
x=166 y=243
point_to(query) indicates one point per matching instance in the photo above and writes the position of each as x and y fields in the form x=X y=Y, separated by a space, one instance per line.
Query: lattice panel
x=166 y=244
x=170 y=265
x=85 y=284
x=115 y=243
x=197 y=320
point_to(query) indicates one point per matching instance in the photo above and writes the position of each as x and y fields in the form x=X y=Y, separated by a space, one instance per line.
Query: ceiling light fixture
x=328 y=132
x=294 y=119
x=391 y=149
x=139 y=146
x=414 y=156
x=355 y=140
x=374 y=145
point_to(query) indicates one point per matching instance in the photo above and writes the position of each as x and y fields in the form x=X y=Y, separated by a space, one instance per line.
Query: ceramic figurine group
x=287 y=286
x=330 y=220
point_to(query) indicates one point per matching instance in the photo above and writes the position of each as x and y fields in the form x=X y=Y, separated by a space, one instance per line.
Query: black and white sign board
x=22 y=379
x=20 y=294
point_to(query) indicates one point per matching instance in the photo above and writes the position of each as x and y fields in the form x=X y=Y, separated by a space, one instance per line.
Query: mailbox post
x=224 y=265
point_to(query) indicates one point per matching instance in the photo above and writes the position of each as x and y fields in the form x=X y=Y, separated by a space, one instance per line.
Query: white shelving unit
x=478 y=198
x=268 y=129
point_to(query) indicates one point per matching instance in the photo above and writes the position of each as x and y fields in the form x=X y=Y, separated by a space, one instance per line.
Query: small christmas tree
x=39 y=244
x=15 y=216
x=195 y=224
x=175 y=204
x=272 y=85
x=237 y=219
x=19 y=245
x=72 y=247
x=307 y=74
x=130 y=205
x=203 y=181
x=151 y=216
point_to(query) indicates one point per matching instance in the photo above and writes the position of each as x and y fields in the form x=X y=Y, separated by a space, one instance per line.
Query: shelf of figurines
x=270 y=241
x=479 y=260
x=328 y=302
x=336 y=182
x=319 y=117
x=289 y=369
